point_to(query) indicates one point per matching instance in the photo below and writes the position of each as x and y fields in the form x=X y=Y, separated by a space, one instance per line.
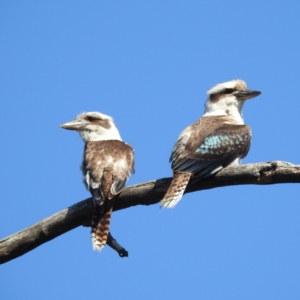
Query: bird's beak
x=248 y=94
x=74 y=125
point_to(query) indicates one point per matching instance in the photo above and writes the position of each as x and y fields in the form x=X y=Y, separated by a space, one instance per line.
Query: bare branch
x=147 y=193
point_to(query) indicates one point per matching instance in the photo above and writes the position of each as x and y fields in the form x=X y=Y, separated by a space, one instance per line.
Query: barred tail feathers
x=95 y=219
x=101 y=230
x=176 y=190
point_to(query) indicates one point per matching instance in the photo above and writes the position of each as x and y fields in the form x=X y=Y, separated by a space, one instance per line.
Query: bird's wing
x=213 y=151
x=122 y=170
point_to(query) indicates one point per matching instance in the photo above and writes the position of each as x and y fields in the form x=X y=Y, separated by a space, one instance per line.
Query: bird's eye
x=228 y=91
x=91 y=119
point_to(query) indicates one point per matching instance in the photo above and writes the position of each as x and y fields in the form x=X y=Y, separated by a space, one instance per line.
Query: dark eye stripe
x=228 y=91
x=91 y=119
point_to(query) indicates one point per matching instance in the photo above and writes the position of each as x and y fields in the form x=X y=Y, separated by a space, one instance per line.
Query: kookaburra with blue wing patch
x=107 y=165
x=218 y=139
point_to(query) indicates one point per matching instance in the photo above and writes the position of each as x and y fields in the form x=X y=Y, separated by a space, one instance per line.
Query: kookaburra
x=218 y=139
x=107 y=165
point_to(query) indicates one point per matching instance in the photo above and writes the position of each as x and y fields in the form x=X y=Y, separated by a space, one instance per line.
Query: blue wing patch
x=221 y=144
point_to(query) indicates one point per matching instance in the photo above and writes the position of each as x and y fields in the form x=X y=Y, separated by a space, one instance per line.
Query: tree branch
x=146 y=193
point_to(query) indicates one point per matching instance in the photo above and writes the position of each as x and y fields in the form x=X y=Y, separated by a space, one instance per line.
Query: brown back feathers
x=107 y=166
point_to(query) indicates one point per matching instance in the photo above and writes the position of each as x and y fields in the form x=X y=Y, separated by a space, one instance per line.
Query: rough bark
x=147 y=193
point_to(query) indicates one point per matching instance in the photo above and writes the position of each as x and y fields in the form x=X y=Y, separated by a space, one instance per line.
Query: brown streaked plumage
x=107 y=165
x=219 y=138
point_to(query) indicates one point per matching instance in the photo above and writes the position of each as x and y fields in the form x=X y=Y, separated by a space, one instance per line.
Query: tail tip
x=97 y=245
x=168 y=203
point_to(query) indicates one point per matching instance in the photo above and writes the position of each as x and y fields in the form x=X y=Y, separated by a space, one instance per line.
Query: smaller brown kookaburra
x=107 y=165
x=218 y=139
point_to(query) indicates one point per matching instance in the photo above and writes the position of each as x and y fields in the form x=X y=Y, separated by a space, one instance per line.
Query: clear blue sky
x=148 y=64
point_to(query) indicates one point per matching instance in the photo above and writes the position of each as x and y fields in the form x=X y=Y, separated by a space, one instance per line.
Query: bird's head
x=94 y=126
x=228 y=98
